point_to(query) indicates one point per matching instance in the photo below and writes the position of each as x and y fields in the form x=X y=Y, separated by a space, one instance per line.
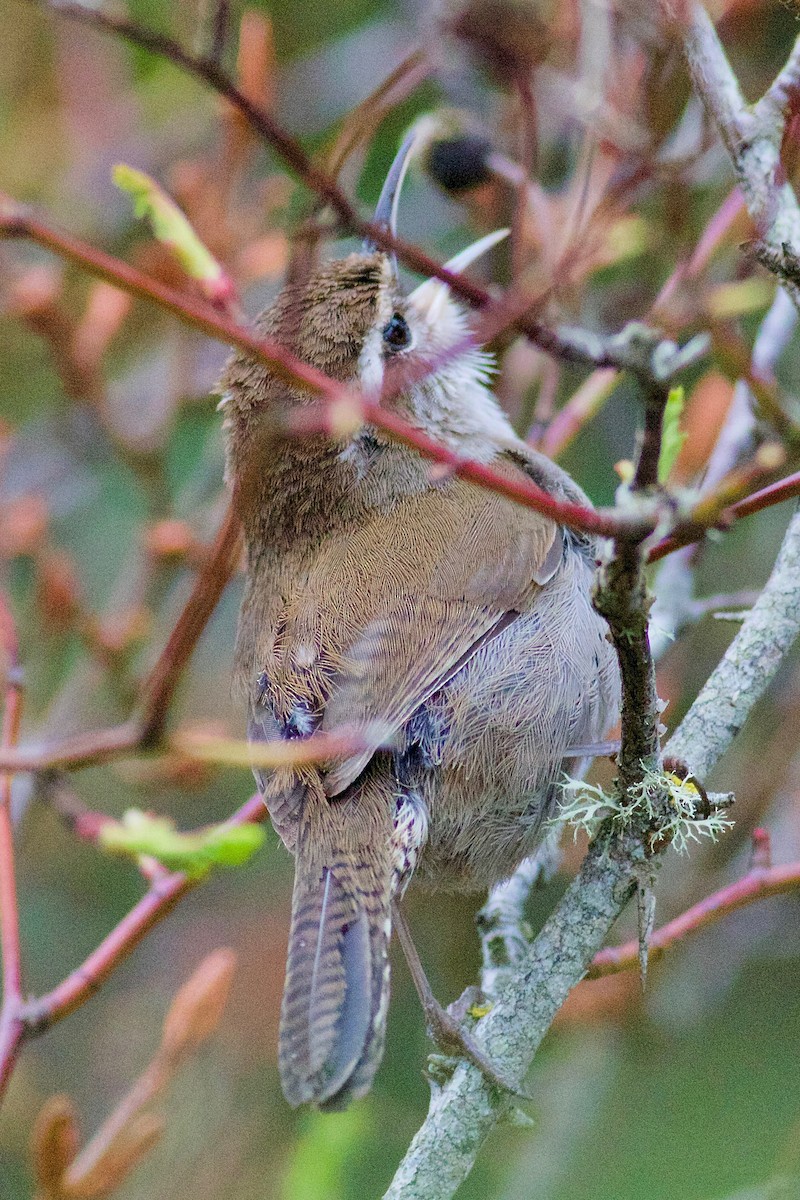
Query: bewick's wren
x=453 y=627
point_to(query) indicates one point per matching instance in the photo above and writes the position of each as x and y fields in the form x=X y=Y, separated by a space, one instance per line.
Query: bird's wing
x=388 y=613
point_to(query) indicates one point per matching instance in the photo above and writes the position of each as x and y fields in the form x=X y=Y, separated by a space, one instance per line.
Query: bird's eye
x=397 y=335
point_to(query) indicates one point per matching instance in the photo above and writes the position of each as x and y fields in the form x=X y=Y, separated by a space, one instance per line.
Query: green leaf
x=142 y=834
x=328 y=1145
x=171 y=227
x=672 y=437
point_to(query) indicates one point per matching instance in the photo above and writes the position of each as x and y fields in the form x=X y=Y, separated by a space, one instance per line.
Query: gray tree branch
x=752 y=133
x=463 y=1111
x=748 y=666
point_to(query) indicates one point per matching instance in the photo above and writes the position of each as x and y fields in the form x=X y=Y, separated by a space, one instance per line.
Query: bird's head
x=352 y=320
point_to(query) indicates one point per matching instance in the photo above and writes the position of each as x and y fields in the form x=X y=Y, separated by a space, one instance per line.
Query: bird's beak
x=386 y=212
x=430 y=296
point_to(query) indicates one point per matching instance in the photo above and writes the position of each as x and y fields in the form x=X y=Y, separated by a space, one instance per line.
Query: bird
x=451 y=628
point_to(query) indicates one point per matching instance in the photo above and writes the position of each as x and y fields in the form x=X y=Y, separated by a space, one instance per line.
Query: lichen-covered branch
x=621 y=596
x=464 y=1111
x=749 y=665
x=501 y=920
x=752 y=133
x=761 y=881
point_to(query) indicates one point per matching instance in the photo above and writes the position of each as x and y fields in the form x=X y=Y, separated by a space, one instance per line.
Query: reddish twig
x=144 y=730
x=100 y=746
x=209 y=586
x=589 y=350
x=11 y=1021
x=363 y=120
x=37 y=1015
x=270 y=131
x=200 y=315
x=766 y=497
x=760 y=882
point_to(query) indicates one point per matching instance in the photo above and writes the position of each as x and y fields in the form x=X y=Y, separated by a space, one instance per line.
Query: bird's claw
x=453 y=1042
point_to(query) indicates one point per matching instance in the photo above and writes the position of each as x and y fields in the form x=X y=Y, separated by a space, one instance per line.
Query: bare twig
x=759 y=883
x=636 y=347
x=144 y=730
x=621 y=596
x=209 y=586
x=11 y=1020
x=748 y=666
x=766 y=497
x=752 y=134
x=464 y=1111
x=568 y=344
x=220 y=27
x=40 y=1013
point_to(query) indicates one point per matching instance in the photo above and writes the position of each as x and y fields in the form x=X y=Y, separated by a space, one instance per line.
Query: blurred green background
x=690 y=1090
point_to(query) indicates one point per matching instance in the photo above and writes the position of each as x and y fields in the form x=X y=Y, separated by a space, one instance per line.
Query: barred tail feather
x=333 y=1015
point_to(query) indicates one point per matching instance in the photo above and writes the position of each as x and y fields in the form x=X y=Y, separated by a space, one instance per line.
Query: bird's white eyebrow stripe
x=370 y=362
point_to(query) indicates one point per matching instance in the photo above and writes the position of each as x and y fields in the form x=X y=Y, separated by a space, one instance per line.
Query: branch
x=464 y=1111
x=11 y=1022
x=38 y=1014
x=666 y=357
x=748 y=666
x=766 y=497
x=752 y=134
x=501 y=921
x=569 y=344
x=209 y=586
x=777 y=100
x=760 y=882
x=621 y=596
x=143 y=731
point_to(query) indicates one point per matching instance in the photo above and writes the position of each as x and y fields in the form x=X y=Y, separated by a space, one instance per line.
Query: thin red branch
x=11 y=1023
x=97 y=746
x=766 y=497
x=37 y=1015
x=758 y=884
x=103 y=745
x=299 y=162
x=604 y=522
x=272 y=133
x=200 y=315
x=209 y=586
x=16 y=223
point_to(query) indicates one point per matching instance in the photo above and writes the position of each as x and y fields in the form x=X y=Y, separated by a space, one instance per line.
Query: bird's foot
x=453 y=1040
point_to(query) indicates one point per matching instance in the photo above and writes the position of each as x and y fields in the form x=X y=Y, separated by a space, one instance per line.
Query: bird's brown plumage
x=451 y=627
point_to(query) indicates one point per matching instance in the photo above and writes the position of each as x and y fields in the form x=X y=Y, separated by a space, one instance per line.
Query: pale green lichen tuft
x=585 y=806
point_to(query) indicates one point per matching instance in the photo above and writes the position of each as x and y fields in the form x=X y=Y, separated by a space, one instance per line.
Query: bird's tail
x=333 y=1016
x=336 y=994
